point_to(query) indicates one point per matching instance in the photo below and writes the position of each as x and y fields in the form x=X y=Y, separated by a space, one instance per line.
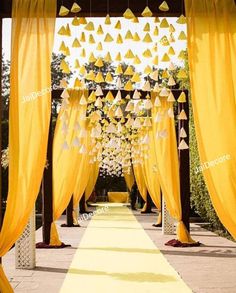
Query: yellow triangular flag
x=171 y=81
x=90 y=76
x=75 y=8
x=164 y=41
x=182 y=98
x=182 y=115
x=164 y=6
x=99 y=78
x=75 y=21
x=136 y=77
x=109 y=97
x=181 y=19
x=100 y=30
x=108 y=20
x=128 y=87
x=109 y=77
x=92 y=97
x=77 y=65
x=119 y=69
x=89 y=26
x=135 y=20
x=92 y=58
x=118 y=25
x=108 y=58
x=82 y=20
x=182 y=36
x=82 y=70
x=108 y=38
x=91 y=39
x=171 y=38
x=182 y=55
x=63 y=11
x=68 y=32
x=62 y=31
x=183 y=133
x=147 y=12
x=171 y=28
x=99 y=46
x=171 y=51
x=137 y=60
x=165 y=58
x=67 y=51
x=155 y=61
x=156 y=31
x=82 y=37
x=136 y=37
x=171 y=97
x=77 y=83
x=62 y=47
x=118 y=57
x=155 y=48
x=146 y=27
x=183 y=145
x=165 y=74
x=147 y=53
x=129 y=71
x=119 y=39
x=64 y=67
x=128 y=14
x=148 y=69
x=99 y=63
x=156 y=20
x=83 y=53
x=129 y=35
x=129 y=54
x=76 y=43
x=147 y=38
x=154 y=75
x=164 y=23
x=182 y=74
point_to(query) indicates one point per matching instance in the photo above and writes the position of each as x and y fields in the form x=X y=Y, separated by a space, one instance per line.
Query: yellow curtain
x=30 y=105
x=129 y=179
x=67 y=144
x=138 y=173
x=93 y=176
x=168 y=165
x=212 y=57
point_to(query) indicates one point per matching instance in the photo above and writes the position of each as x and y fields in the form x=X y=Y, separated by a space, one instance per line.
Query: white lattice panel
x=168 y=227
x=25 y=246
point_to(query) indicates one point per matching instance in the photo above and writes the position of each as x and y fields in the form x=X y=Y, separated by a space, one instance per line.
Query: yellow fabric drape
x=92 y=179
x=168 y=165
x=30 y=105
x=150 y=172
x=66 y=157
x=138 y=173
x=129 y=179
x=212 y=57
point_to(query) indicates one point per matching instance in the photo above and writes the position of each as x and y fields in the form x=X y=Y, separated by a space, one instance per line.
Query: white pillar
x=168 y=227
x=25 y=246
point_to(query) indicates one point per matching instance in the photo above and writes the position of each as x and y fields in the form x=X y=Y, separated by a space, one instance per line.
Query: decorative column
x=168 y=227
x=25 y=246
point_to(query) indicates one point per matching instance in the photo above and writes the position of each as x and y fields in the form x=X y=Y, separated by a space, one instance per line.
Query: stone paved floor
x=206 y=269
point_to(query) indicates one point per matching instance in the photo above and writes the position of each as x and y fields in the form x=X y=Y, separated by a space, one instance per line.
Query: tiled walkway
x=205 y=269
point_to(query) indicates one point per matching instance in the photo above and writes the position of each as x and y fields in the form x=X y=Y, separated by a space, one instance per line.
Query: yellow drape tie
x=168 y=166
x=29 y=117
x=212 y=58
x=129 y=179
x=68 y=160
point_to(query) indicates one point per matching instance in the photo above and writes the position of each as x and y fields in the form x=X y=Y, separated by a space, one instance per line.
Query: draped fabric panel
x=92 y=179
x=168 y=165
x=129 y=179
x=66 y=156
x=139 y=177
x=212 y=56
x=30 y=108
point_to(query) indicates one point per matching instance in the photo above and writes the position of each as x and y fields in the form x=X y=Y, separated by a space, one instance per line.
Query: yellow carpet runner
x=117 y=256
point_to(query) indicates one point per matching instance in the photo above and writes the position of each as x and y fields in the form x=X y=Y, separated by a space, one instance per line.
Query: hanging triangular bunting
x=164 y=6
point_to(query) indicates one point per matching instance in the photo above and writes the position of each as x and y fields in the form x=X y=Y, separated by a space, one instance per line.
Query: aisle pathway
x=116 y=255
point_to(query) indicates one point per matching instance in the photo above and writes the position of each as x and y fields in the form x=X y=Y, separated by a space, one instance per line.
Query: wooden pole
x=184 y=166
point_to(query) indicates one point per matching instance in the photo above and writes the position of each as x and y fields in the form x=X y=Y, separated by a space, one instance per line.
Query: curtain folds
x=212 y=57
x=168 y=164
x=67 y=145
x=129 y=179
x=139 y=177
x=30 y=108
x=92 y=179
